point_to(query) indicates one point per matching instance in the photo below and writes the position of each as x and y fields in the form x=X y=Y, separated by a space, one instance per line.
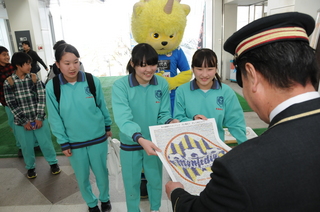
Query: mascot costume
x=161 y=24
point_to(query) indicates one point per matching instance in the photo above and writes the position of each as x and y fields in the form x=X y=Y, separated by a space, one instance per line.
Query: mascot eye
x=156 y=35
x=171 y=36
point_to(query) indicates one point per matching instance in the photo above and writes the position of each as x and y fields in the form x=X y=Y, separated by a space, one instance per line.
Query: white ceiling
x=243 y=2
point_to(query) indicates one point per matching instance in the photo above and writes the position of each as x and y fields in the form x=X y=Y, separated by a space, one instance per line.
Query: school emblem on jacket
x=220 y=101
x=191 y=156
x=87 y=90
x=158 y=94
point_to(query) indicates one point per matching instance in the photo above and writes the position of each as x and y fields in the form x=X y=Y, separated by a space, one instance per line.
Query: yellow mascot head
x=160 y=23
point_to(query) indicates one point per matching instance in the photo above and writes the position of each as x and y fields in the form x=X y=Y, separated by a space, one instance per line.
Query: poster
x=188 y=151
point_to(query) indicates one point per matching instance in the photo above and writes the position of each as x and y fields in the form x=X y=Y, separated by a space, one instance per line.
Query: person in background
x=81 y=122
x=6 y=70
x=26 y=101
x=139 y=100
x=206 y=97
x=279 y=170
x=35 y=68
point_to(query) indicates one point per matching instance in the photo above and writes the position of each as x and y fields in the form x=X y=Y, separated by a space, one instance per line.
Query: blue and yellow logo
x=191 y=156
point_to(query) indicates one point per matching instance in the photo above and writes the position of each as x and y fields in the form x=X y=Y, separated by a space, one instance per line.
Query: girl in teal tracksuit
x=81 y=123
x=206 y=97
x=140 y=100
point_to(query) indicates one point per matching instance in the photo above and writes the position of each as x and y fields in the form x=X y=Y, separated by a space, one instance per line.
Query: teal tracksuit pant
x=12 y=126
x=27 y=139
x=132 y=163
x=93 y=157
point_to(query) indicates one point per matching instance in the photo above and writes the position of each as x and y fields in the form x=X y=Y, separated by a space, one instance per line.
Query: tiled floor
x=48 y=193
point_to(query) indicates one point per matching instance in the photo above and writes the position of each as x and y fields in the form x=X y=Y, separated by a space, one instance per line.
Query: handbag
x=113 y=158
x=113 y=162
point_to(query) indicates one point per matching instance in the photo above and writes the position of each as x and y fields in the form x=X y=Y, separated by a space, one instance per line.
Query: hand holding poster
x=188 y=151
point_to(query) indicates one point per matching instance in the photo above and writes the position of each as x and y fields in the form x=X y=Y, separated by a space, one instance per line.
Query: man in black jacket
x=279 y=170
x=35 y=57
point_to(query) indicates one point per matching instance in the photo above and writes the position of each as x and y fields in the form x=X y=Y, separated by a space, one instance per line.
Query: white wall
x=280 y=6
x=217 y=31
x=4 y=37
x=309 y=7
x=230 y=26
x=25 y=15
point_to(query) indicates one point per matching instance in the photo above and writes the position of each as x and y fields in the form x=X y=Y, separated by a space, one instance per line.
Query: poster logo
x=191 y=156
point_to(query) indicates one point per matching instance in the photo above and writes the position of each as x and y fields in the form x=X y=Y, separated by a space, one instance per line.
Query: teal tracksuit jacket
x=220 y=102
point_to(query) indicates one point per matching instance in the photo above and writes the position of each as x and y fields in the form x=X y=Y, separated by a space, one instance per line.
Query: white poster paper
x=188 y=151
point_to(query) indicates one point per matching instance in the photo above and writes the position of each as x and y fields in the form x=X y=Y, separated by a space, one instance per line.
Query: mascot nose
x=164 y=43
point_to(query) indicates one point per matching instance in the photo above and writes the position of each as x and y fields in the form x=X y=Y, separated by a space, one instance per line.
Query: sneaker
x=20 y=155
x=94 y=209
x=55 y=169
x=106 y=206
x=32 y=174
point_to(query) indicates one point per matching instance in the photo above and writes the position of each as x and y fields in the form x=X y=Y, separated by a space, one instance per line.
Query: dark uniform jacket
x=35 y=58
x=277 y=171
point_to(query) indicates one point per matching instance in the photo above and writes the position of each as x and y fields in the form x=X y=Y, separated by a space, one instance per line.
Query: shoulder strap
x=34 y=78
x=56 y=87
x=10 y=81
x=91 y=84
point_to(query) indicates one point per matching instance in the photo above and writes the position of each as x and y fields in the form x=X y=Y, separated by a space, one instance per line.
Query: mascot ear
x=186 y=8
x=137 y=8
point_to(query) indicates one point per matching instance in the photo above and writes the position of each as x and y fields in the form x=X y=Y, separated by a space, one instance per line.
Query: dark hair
x=283 y=63
x=141 y=55
x=19 y=59
x=58 y=43
x=26 y=42
x=3 y=49
x=64 y=48
x=206 y=57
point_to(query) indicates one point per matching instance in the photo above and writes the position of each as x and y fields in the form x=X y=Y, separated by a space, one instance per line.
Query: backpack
x=11 y=82
x=56 y=86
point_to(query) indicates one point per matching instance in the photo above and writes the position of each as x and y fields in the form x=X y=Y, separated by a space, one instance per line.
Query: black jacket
x=277 y=171
x=35 y=58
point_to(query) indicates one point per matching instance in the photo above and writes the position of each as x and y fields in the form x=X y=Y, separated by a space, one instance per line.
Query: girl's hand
x=200 y=117
x=109 y=134
x=174 y=121
x=148 y=146
x=67 y=152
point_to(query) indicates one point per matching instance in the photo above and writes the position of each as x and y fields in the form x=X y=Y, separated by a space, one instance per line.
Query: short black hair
x=63 y=49
x=19 y=59
x=3 y=49
x=58 y=43
x=142 y=53
x=283 y=63
x=26 y=42
x=208 y=58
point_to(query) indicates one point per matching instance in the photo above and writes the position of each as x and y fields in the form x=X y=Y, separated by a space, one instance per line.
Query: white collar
x=293 y=100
